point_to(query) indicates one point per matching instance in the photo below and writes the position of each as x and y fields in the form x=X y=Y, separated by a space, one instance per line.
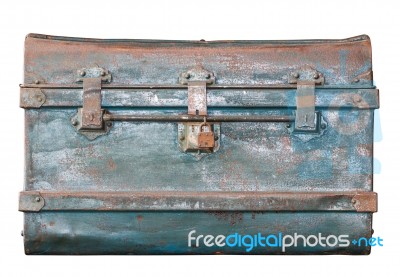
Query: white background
x=210 y=20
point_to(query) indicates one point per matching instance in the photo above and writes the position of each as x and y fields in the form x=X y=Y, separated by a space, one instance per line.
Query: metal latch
x=89 y=119
x=306 y=118
x=199 y=139
x=197 y=80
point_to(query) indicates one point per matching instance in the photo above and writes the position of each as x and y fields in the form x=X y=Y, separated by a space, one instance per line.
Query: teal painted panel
x=252 y=156
x=167 y=232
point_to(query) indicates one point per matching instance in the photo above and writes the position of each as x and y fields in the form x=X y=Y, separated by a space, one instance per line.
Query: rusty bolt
x=182 y=137
x=37 y=199
x=37 y=82
x=296 y=75
x=316 y=76
x=82 y=73
x=323 y=126
x=216 y=138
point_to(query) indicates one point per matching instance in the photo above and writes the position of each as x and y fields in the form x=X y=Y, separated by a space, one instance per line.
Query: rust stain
x=111 y=164
x=232 y=217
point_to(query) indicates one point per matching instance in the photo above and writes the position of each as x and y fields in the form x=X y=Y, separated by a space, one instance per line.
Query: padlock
x=206 y=138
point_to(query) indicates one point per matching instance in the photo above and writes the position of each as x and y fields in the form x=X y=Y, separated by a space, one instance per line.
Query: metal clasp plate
x=89 y=119
x=197 y=80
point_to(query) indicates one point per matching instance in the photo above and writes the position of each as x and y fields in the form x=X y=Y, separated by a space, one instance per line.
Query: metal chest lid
x=52 y=60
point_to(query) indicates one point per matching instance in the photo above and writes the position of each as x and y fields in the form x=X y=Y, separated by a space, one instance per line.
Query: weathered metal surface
x=157 y=233
x=31 y=201
x=198 y=201
x=93 y=72
x=100 y=129
x=256 y=156
x=197 y=79
x=306 y=78
x=253 y=104
x=92 y=114
x=233 y=62
x=33 y=99
x=222 y=97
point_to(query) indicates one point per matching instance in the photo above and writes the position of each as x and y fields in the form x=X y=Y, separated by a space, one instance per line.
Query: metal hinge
x=307 y=120
x=197 y=80
x=89 y=119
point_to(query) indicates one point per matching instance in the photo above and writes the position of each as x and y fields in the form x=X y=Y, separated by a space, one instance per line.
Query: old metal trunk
x=197 y=147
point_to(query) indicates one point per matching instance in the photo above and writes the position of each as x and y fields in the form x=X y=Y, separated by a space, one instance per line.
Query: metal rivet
x=37 y=82
x=316 y=76
x=356 y=80
x=82 y=73
x=296 y=75
x=103 y=73
x=74 y=121
x=323 y=126
x=39 y=98
x=288 y=125
x=37 y=199
x=109 y=124
x=208 y=76
x=182 y=137
x=187 y=75
x=22 y=233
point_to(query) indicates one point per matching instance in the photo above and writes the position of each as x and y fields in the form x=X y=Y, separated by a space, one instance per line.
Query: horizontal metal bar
x=177 y=86
x=188 y=118
x=34 y=201
x=173 y=98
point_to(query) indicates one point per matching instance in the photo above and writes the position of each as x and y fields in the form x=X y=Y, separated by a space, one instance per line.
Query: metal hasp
x=306 y=79
x=89 y=119
x=197 y=80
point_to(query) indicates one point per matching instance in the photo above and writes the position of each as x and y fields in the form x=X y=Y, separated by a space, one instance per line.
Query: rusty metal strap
x=92 y=115
x=197 y=98
x=34 y=201
x=305 y=101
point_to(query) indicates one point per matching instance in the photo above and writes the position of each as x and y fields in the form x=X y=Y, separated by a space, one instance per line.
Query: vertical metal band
x=92 y=115
x=305 y=101
x=197 y=98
